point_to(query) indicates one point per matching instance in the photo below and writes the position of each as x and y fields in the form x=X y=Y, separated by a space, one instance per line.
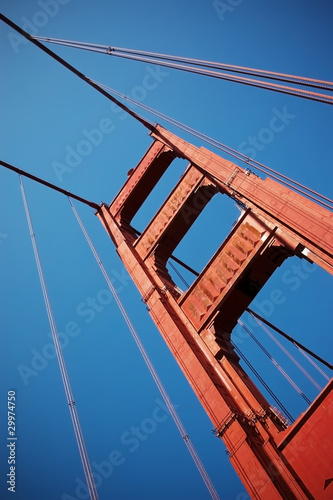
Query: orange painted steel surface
x=196 y=325
x=307 y=445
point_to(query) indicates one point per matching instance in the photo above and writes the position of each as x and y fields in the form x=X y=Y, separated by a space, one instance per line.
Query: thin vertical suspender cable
x=310 y=193
x=179 y=274
x=275 y=363
x=290 y=356
x=64 y=375
x=290 y=339
x=297 y=344
x=35 y=41
x=259 y=320
x=248 y=363
x=99 y=88
x=313 y=363
x=304 y=350
x=149 y=364
x=259 y=377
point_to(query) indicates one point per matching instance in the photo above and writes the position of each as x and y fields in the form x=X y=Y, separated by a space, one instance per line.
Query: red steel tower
x=273 y=460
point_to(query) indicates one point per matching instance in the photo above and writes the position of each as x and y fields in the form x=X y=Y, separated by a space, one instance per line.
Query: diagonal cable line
x=263 y=382
x=149 y=364
x=78 y=73
x=312 y=82
x=99 y=88
x=290 y=356
x=174 y=63
x=275 y=363
x=63 y=370
x=48 y=184
x=300 y=346
x=313 y=363
x=310 y=193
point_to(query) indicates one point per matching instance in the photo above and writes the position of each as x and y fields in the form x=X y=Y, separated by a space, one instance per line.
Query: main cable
x=149 y=364
x=173 y=62
x=311 y=82
x=63 y=370
x=287 y=181
x=304 y=350
x=301 y=347
x=99 y=88
x=49 y=184
x=71 y=68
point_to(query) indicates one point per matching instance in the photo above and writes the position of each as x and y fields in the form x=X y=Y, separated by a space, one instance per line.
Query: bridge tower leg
x=271 y=458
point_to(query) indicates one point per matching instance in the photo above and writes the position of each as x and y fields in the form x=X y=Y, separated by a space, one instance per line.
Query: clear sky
x=46 y=113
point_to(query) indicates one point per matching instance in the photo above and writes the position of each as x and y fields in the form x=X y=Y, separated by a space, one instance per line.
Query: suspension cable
x=287 y=181
x=173 y=62
x=199 y=62
x=49 y=185
x=179 y=275
x=303 y=350
x=63 y=370
x=291 y=339
x=297 y=344
x=275 y=363
x=254 y=371
x=290 y=356
x=149 y=364
x=71 y=68
x=311 y=82
x=99 y=88
x=175 y=259
x=313 y=363
x=263 y=382
x=301 y=347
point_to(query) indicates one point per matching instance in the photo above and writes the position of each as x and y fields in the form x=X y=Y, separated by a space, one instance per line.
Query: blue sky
x=46 y=114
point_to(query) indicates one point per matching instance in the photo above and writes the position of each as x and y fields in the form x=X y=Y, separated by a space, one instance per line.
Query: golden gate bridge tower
x=272 y=460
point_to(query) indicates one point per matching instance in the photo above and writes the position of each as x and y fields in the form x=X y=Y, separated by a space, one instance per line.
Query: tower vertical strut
x=150 y=366
x=275 y=223
x=63 y=370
